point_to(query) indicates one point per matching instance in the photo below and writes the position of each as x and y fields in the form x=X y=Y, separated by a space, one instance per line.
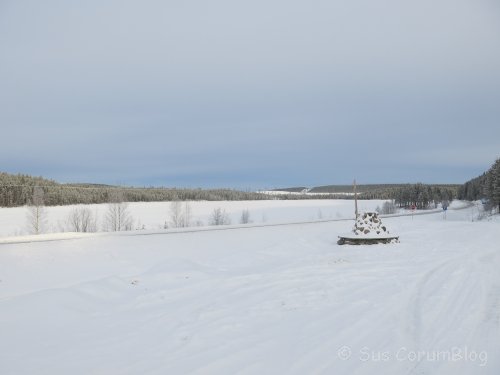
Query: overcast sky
x=250 y=94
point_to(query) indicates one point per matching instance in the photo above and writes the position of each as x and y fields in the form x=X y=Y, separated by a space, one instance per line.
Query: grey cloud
x=272 y=92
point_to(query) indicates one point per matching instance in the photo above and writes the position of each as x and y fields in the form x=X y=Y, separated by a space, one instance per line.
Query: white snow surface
x=263 y=300
x=153 y=215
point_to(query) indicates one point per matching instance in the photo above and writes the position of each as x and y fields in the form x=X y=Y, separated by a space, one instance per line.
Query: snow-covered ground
x=154 y=215
x=263 y=300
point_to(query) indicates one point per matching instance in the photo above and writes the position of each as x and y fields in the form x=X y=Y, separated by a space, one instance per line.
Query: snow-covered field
x=153 y=216
x=266 y=300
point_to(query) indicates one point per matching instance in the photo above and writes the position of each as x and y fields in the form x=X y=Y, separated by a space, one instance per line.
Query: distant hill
x=405 y=195
x=349 y=188
x=373 y=188
x=369 y=188
x=292 y=189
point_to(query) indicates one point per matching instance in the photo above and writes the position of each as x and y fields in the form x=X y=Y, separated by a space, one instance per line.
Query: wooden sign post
x=355 y=200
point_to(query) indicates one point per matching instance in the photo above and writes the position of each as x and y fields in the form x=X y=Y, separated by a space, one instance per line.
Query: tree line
x=485 y=187
x=422 y=196
x=18 y=190
x=406 y=194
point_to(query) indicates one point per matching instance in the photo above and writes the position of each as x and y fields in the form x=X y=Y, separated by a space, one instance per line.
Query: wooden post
x=355 y=200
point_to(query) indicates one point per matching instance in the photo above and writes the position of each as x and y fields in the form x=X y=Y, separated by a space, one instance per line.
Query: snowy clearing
x=282 y=299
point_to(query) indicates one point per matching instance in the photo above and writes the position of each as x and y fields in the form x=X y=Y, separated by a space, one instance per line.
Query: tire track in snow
x=442 y=311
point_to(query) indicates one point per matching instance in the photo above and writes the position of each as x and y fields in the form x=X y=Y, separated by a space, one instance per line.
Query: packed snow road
x=265 y=300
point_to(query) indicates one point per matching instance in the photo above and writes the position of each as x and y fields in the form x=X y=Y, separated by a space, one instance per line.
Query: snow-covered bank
x=269 y=300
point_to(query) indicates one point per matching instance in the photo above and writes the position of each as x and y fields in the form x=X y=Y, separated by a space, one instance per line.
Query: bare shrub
x=245 y=217
x=180 y=215
x=388 y=208
x=219 y=217
x=81 y=219
x=117 y=217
